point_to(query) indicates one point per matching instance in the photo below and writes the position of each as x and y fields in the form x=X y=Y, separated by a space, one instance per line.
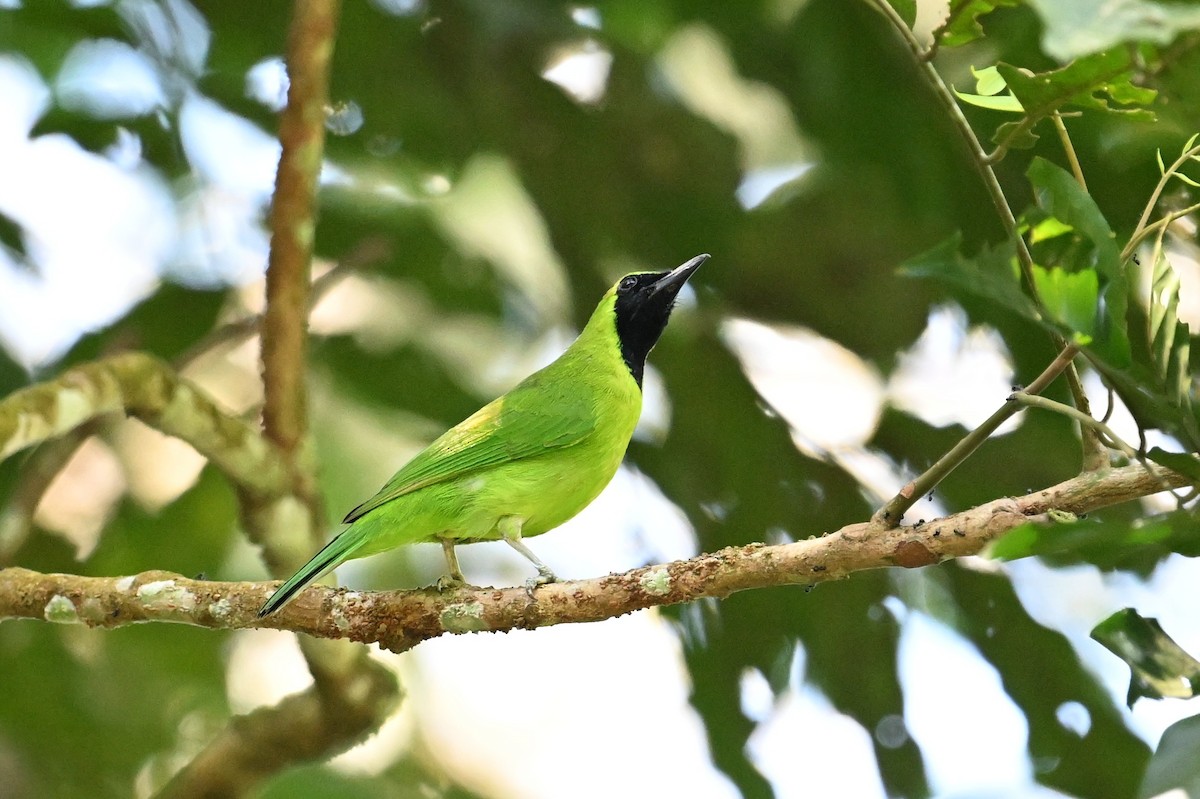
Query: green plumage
x=527 y=461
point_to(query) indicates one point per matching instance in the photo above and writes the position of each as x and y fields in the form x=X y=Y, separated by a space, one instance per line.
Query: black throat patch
x=641 y=315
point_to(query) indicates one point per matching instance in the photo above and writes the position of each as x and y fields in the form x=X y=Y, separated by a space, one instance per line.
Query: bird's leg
x=510 y=531
x=454 y=578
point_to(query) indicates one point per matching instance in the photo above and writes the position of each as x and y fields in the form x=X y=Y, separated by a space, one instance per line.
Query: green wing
x=503 y=431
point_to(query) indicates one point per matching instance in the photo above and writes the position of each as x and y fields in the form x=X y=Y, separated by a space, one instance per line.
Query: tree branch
x=399 y=620
x=304 y=726
x=352 y=695
x=293 y=221
x=141 y=385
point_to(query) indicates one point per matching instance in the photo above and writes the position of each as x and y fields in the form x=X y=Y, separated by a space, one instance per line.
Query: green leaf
x=1081 y=27
x=990 y=275
x=1060 y=195
x=988 y=80
x=907 y=9
x=1070 y=298
x=988 y=85
x=1015 y=136
x=1185 y=464
x=1003 y=102
x=962 y=22
x=1048 y=228
x=1158 y=666
x=1174 y=766
x=1156 y=383
x=1090 y=83
x=1109 y=543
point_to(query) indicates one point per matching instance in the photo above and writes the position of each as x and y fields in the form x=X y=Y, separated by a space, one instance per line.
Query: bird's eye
x=627 y=284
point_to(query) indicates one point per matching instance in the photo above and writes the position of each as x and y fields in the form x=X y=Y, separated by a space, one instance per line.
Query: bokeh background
x=491 y=168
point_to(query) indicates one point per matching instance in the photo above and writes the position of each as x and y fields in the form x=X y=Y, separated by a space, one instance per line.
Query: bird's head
x=642 y=303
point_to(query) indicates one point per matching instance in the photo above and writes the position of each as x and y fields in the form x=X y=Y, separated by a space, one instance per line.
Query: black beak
x=673 y=281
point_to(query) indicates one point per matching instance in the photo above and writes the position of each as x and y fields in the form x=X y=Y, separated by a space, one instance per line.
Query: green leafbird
x=530 y=459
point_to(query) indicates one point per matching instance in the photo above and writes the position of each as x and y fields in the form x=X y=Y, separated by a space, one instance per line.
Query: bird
x=527 y=461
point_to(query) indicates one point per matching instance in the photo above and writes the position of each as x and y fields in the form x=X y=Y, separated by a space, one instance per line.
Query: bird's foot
x=544 y=576
x=453 y=582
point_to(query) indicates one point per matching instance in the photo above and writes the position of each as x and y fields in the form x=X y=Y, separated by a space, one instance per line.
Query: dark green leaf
x=962 y=24
x=1176 y=762
x=1186 y=465
x=1091 y=82
x=1158 y=666
x=907 y=9
x=1060 y=196
x=1112 y=542
x=1152 y=374
x=990 y=275
x=1015 y=135
x=11 y=238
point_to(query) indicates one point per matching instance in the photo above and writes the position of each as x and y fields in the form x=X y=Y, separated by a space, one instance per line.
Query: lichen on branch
x=399 y=620
x=144 y=387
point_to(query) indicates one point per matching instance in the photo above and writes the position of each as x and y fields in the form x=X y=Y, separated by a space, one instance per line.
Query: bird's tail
x=336 y=551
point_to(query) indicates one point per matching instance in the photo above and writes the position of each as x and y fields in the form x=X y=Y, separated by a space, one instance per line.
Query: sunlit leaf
x=1061 y=196
x=988 y=80
x=1069 y=298
x=1048 y=228
x=1002 y=102
x=1159 y=667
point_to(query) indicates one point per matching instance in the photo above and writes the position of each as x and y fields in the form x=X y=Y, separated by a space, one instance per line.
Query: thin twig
x=1139 y=232
x=36 y=474
x=1069 y=149
x=240 y=330
x=1110 y=438
x=891 y=513
x=1154 y=227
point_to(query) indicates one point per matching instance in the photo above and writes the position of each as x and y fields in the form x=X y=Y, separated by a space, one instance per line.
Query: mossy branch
x=145 y=387
x=399 y=620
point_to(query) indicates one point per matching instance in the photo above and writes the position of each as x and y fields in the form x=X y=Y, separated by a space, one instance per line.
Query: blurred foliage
x=647 y=176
